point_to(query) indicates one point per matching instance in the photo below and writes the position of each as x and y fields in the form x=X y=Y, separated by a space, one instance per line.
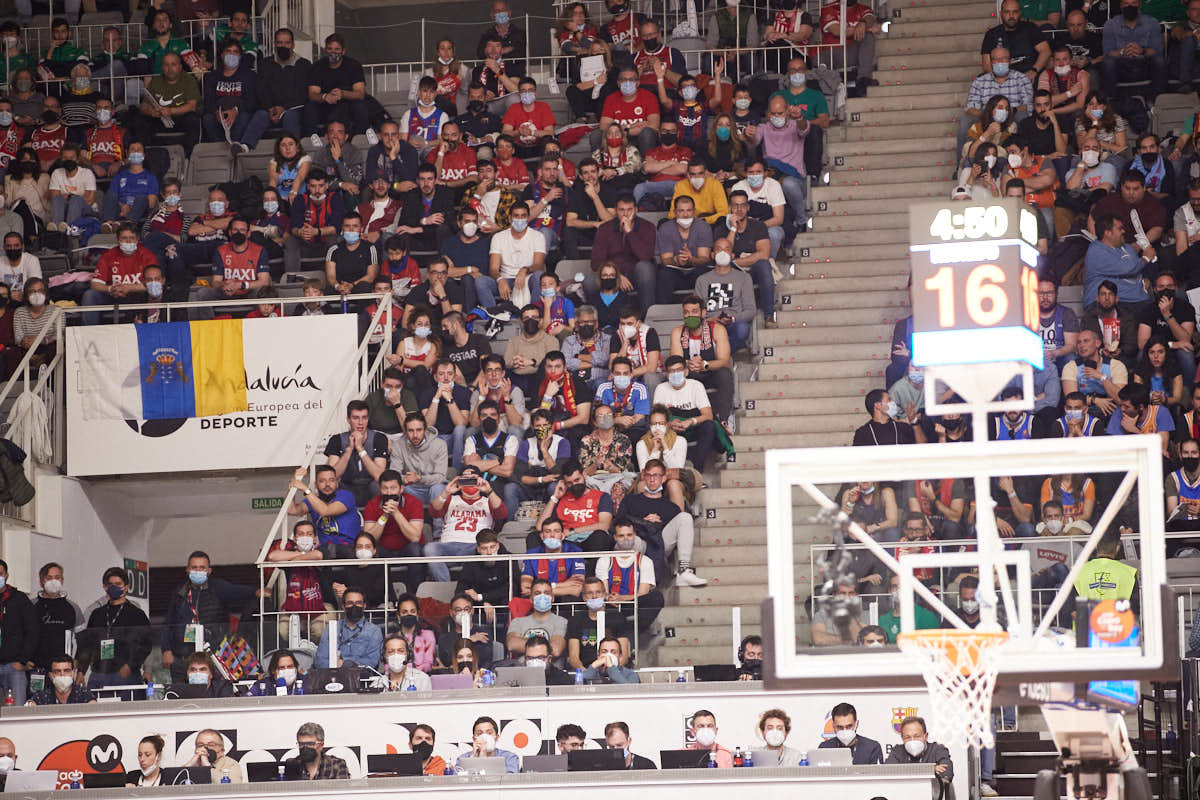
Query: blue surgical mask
x=350 y=237
x=1073 y=414
x=627 y=87
x=542 y=602
x=198 y=576
x=1000 y=69
x=232 y=60
x=595 y=603
x=723 y=133
x=527 y=98
x=172 y=199
x=552 y=543
x=3 y=582
x=154 y=288
x=676 y=378
x=423 y=331
x=198 y=678
x=519 y=224
x=756 y=180
x=270 y=206
x=622 y=381
x=137 y=158
x=1096 y=113
x=216 y=207
x=797 y=79
x=548 y=293
x=502 y=18
x=917 y=378
x=129 y=248
x=689 y=92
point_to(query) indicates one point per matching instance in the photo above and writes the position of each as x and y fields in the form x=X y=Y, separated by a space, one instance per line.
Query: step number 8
x=984 y=297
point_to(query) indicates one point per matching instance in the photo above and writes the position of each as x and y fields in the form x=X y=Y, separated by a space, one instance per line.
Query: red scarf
x=567 y=392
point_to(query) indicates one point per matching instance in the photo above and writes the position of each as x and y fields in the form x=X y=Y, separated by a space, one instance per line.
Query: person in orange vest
x=1036 y=171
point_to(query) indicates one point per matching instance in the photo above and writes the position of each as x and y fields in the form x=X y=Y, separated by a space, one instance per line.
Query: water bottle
x=712 y=760
x=279 y=777
x=489 y=678
x=9 y=700
x=578 y=677
x=372 y=137
x=75 y=784
x=316 y=142
x=299 y=688
x=738 y=758
x=681 y=676
x=280 y=687
x=225 y=776
x=150 y=690
x=748 y=759
x=804 y=759
x=412 y=686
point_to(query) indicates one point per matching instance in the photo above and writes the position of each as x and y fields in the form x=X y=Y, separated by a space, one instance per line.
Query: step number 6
x=984 y=298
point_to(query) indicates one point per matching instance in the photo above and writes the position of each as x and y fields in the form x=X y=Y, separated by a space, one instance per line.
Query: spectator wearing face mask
x=117 y=639
x=399 y=673
x=55 y=615
x=1088 y=180
x=198 y=601
x=845 y=734
x=1133 y=46
x=563 y=575
x=210 y=752
x=358 y=640
x=120 y=275
x=871 y=636
x=466 y=505
x=999 y=80
x=313 y=763
x=200 y=672
x=302 y=592
x=72 y=192
x=583 y=636
x=282 y=665
x=541 y=622
x=483 y=745
x=703 y=728
x=774 y=726
x=918 y=749
x=63 y=688
x=133 y=193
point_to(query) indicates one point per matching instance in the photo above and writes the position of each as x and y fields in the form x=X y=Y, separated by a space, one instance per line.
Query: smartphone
x=469 y=480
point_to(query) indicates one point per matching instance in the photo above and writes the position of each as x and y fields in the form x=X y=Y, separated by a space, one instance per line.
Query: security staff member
x=1106 y=577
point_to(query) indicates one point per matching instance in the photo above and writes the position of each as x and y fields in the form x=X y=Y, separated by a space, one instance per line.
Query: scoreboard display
x=974 y=283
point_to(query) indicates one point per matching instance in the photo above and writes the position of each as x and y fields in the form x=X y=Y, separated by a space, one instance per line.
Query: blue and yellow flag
x=191 y=369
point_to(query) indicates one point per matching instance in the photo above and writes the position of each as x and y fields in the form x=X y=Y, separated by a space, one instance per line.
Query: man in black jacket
x=616 y=737
x=918 y=749
x=55 y=615
x=489 y=582
x=118 y=637
x=199 y=601
x=283 y=84
x=429 y=207
x=18 y=639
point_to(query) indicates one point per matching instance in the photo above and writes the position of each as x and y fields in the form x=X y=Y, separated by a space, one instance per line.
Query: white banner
x=295 y=368
x=98 y=738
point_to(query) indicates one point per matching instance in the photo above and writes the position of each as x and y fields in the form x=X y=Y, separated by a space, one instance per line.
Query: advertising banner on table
x=119 y=417
x=104 y=738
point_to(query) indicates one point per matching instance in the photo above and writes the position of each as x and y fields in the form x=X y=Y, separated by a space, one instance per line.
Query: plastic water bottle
x=578 y=677
x=412 y=686
x=489 y=678
x=372 y=137
x=681 y=676
x=299 y=688
x=738 y=758
x=803 y=759
x=748 y=759
x=75 y=784
x=712 y=760
x=150 y=690
x=280 y=687
x=225 y=776
x=279 y=777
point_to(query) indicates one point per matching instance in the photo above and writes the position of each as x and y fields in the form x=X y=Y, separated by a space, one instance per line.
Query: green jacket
x=248 y=44
x=21 y=60
x=65 y=53
x=154 y=51
x=923 y=618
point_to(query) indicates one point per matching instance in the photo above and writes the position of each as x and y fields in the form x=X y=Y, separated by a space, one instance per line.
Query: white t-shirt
x=15 y=277
x=645 y=570
x=771 y=192
x=465 y=519
x=672 y=459
x=687 y=397
x=516 y=253
x=510 y=445
x=84 y=180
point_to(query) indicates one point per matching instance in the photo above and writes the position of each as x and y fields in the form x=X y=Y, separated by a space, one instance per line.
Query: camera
x=468 y=480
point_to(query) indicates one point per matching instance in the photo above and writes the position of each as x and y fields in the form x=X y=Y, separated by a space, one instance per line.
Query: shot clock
x=974 y=283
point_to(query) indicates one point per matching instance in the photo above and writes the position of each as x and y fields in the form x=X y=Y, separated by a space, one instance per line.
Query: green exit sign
x=265 y=503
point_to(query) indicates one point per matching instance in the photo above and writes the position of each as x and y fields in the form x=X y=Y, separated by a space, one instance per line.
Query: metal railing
x=90 y=38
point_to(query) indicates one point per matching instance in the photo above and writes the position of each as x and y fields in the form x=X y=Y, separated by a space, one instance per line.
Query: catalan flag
x=164 y=371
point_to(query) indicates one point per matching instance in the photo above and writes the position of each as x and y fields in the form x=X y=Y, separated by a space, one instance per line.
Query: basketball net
x=960 y=668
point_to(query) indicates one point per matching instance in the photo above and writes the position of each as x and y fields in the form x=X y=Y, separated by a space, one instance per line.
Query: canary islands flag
x=163 y=371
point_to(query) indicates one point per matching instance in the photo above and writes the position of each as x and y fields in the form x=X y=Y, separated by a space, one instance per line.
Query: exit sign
x=265 y=503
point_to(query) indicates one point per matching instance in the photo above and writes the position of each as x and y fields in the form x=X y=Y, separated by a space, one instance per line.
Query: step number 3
x=984 y=298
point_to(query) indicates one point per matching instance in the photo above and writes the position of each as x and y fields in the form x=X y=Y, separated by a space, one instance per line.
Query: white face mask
x=288 y=675
x=1014 y=160
x=52 y=586
x=705 y=736
x=845 y=736
x=658 y=430
x=687 y=223
x=469 y=229
x=697 y=182
x=535 y=662
x=63 y=682
x=629 y=331
x=396 y=662
x=1063 y=70
x=1054 y=525
x=970 y=606
x=304 y=543
x=914 y=747
x=7 y=763
x=722 y=258
x=1000 y=114
x=37 y=299
x=364 y=554
x=1091 y=157
x=148 y=771
x=774 y=737
x=990 y=160
x=487 y=742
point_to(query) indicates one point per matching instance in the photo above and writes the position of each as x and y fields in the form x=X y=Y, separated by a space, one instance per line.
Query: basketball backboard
x=1128 y=466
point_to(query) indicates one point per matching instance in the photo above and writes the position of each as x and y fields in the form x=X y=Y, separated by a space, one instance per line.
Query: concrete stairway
x=837 y=307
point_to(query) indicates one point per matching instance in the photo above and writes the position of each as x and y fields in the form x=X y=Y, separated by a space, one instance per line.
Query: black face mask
x=577 y=490
x=608 y=284
x=531 y=326
x=408 y=621
x=49 y=117
x=650 y=44
x=354 y=613
x=1148 y=159
x=1167 y=293
x=283 y=53
x=326 y=497
x=668 y=139
x=238 y=238
x=308 y=754
x=13 y=255
x=212 y=755
x=476 y=107
x=1191 y=464
x=383 y=498
x=586 y=331
x=423 y=749
x=68 y=165
x=1131 y=12
x=617 y=9
x=490 y=425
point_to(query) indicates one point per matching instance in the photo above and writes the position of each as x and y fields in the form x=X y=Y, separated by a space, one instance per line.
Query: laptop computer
x=185 y=691
x=595 y=760
x=41 y=780
x=343 y=680
x=830 y=757
x=263 y=771
x=710 y=673
x=401 y=764
x=544 y=764
x=683 y=759
x=453 y=681
x=767 y=758
x=520 y=676
x=482 y=766
x=178 y=776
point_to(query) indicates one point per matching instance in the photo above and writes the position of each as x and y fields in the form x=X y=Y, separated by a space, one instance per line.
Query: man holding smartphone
x=466 y=506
